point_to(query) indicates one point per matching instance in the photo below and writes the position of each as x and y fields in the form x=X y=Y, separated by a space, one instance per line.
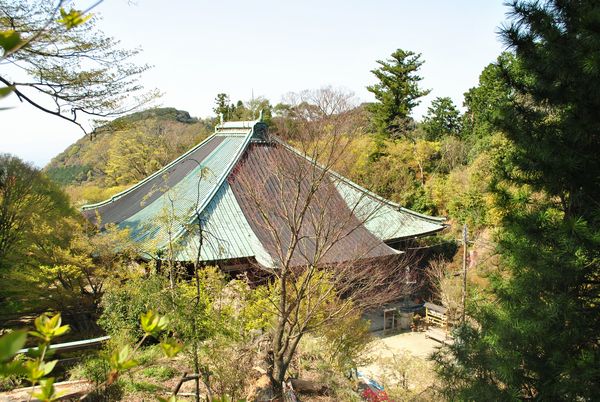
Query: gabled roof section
x=158 y=209
x=202 y=184
x=274 y=190
x=387 y=220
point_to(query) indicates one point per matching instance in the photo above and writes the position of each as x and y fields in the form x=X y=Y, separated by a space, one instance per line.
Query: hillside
x=124 y=151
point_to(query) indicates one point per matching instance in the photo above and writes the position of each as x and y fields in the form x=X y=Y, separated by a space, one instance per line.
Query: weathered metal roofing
x=272 y=185
x=388 y=221
x=158 y=209
x=126 y=203
x=206 y=181
x=165 y=218
x=226 y=233
x=384 y=218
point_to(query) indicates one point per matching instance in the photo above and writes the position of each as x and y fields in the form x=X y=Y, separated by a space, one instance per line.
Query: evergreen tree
x=442 y=119
x=222 y=105
x=483 y=101
x=538 y=338
x=240 y=111
x=397 y=92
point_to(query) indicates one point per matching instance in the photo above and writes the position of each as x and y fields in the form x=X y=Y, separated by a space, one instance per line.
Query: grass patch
x=142 y=386
x=160 y=373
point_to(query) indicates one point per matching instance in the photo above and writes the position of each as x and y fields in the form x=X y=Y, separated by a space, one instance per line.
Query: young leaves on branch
x=48 y=327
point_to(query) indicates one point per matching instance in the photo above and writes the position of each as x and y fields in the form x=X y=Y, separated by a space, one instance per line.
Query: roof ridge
x=148 y=178
x=207 y=200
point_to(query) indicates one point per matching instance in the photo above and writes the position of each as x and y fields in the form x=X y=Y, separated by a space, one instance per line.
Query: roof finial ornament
x=221 y=116
x=260 y=115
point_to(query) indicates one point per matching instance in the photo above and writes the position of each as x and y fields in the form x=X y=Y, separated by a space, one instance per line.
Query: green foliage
x=11 y=367
x=36 y=369
x=10 y=344
x=152 y=323
x=537 y=338
x=345 y=342
x=125 y=151
x=94 y=369
x=400 y=173
x=160 y=114
x=64 y=175
x=46 y=391
x=442 y=119
x=171 y=347
x=5 y=91
x=123 y=305
x=222 y=106
x=485 y=103
x=397 y=92
x=28 y=200
x=249 y=110
x=9 y=40
x=72 y=18
x=120 y=360
x=48 y=327
x=68 y=265
x=230 y=365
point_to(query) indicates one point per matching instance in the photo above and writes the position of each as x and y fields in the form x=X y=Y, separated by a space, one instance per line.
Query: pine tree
x=538 y=337
x=222 y=106
x=397 y=92
x=442 y=119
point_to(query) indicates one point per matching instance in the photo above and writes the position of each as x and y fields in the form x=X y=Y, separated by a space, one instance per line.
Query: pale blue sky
x=201 y=48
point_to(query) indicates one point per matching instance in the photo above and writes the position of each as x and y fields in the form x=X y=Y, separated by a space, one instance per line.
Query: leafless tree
x=326 y=264
x=445 y=285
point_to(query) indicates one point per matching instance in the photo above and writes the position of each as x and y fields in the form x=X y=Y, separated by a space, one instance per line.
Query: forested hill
x=125 y=151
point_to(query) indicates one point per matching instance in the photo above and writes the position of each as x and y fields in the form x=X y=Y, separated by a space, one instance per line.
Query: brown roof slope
x=273 y=186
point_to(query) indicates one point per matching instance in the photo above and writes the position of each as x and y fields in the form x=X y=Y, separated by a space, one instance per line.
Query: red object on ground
x=370 y=394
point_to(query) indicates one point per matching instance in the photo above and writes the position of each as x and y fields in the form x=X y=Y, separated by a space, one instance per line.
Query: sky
x=269 y=48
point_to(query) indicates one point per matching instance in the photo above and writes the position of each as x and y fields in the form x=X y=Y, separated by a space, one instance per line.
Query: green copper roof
x=226 y=233
x=386 y=220
x=151 y=224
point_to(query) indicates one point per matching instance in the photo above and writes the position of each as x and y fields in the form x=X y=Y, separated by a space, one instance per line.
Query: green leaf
x=11 y=343
x=119 y=360
x=9 y=40
x=152 y=323
x=38 y=369
x=48 y=327
x=35 y=370
x=73 y=18
x=14 y=368
x=48 y=367
x=4 y=92
x=47 y=392
x=171 y=347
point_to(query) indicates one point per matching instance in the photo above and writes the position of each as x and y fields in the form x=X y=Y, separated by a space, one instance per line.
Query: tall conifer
x=537 y=338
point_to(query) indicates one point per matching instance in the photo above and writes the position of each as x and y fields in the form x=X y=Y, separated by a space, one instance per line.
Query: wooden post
x=464 y=288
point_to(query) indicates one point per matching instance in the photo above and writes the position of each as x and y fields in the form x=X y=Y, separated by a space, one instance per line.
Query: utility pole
x=464 y=288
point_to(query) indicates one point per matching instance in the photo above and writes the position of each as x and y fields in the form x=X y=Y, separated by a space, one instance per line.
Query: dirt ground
x=398 y=349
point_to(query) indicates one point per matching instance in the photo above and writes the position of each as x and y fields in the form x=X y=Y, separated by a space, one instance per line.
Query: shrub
x=123 y=305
